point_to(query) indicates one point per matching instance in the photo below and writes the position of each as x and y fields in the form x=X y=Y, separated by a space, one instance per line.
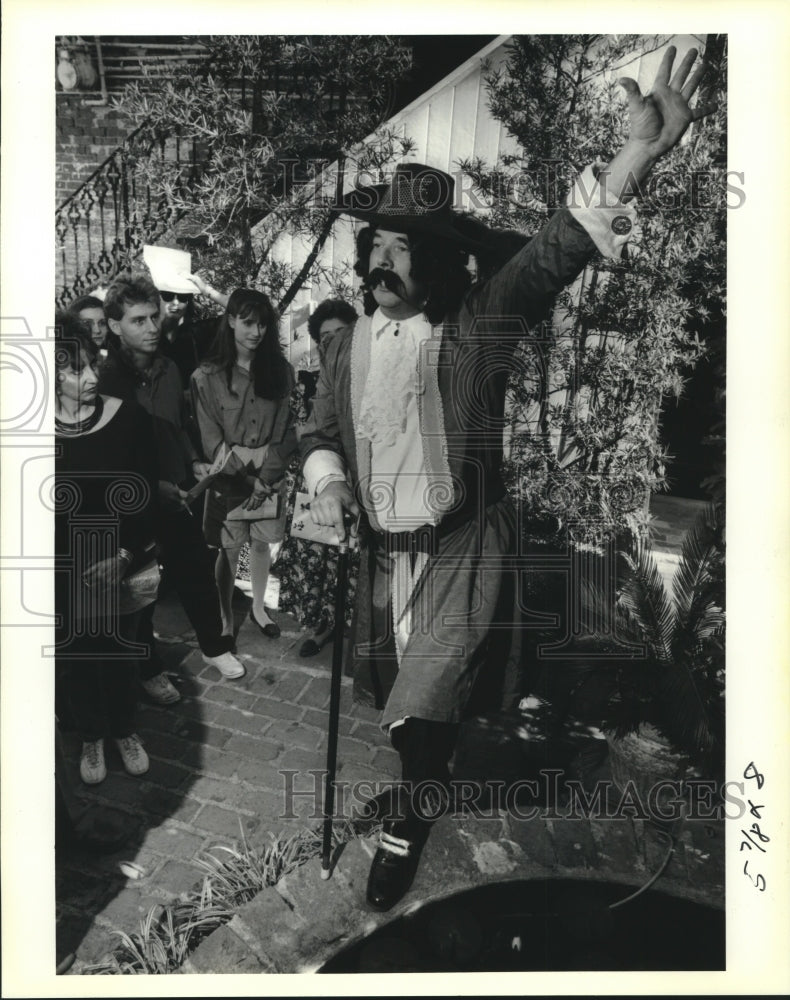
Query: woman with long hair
x=241 y=396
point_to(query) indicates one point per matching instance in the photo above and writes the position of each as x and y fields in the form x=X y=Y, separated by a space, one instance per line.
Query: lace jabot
x=392 y=380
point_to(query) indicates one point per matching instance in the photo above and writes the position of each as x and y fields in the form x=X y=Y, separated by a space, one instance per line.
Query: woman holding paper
x=241 y=396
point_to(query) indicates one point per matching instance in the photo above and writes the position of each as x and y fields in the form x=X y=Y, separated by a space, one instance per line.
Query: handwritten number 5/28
x=758 y=881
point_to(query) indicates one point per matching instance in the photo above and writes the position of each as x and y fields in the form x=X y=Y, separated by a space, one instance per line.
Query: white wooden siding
x=449 y=123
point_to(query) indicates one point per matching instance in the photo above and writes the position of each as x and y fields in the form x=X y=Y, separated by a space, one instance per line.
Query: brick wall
x=84 y=249
x=84 y=137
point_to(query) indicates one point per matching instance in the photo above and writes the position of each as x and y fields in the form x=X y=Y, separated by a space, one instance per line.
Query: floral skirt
x=307 y=573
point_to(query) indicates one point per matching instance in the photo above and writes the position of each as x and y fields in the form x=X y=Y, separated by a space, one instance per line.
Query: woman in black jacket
x=105 y=490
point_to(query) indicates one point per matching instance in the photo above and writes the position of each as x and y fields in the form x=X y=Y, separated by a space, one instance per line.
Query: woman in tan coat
x=241 y=395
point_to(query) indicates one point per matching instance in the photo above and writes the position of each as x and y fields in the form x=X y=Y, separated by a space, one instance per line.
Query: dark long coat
x=466 y=646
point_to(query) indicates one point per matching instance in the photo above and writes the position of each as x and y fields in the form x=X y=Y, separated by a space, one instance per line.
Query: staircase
x=101 y=228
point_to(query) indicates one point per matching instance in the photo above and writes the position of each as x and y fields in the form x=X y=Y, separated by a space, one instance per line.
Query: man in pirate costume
x=408 y=422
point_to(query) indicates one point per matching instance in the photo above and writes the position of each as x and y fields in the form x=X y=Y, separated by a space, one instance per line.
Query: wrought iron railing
x=101 y=228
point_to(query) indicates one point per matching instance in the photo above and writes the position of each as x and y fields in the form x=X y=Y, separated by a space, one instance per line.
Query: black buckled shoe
x=404 y=833
x=395 y=863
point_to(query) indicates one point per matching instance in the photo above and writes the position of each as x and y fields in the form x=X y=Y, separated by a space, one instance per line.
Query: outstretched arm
x=658 y=121
x=597 y=217
x=204 y=288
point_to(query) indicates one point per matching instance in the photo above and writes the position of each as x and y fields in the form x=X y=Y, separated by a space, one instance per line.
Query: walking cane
x=302 y=527
x=334 y=707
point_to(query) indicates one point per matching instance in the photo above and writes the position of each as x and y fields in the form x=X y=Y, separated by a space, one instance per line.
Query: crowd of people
x=401 y=437
x=149 y=400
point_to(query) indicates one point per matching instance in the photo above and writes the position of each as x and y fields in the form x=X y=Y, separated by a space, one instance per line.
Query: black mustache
x=381 y=276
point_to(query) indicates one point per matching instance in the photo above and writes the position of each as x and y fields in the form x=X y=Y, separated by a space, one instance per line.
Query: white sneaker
x=161 y=690
x=133 y=754
x=227 y=664
x=92 y=766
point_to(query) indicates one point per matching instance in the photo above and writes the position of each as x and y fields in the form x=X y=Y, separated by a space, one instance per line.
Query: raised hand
x=204 y=288
x=201 y=287
x=659 y=119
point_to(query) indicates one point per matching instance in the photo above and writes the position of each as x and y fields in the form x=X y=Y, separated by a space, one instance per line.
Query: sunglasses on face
x=182 y=297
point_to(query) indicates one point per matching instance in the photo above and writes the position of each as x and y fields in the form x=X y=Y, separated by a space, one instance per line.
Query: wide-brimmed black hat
x=419 y=199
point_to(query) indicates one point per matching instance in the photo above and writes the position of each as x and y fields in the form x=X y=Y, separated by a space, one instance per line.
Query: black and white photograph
x=394 y=501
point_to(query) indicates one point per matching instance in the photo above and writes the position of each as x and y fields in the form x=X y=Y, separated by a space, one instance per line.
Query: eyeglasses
x=181 y=296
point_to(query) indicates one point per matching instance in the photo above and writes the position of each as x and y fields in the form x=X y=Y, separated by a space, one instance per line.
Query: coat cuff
x=606 y=219
x=322 y=466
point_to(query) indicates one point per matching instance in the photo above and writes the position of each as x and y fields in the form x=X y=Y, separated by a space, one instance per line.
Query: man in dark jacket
x=134 y=369
x=409 y=416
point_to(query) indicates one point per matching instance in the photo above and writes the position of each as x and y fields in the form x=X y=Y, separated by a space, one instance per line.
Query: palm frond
x=696 y=588
x=679 y=685
x=644 y=598
x=698 y=591
x=613 y=627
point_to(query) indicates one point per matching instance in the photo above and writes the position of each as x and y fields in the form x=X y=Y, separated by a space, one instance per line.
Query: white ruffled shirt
x=389 y=418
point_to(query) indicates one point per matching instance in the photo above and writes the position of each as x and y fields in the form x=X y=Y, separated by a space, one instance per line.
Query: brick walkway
x=216 y=758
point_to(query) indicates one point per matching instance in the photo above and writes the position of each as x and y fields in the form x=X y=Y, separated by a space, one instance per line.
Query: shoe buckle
x=395 y=845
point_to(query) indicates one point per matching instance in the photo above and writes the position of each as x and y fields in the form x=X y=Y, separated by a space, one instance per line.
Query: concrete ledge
x=303 y=921
x=223 y=952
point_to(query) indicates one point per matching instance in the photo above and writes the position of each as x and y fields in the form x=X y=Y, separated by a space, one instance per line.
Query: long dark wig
x=269 y=370
x=435 y=263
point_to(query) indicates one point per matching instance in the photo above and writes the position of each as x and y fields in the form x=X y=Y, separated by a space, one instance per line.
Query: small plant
x=233 y=876
x=166 y=936
x=678 y=687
